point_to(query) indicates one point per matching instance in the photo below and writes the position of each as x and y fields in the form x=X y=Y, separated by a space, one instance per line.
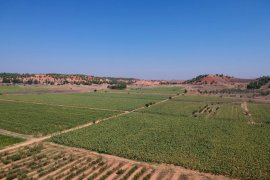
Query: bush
x=36 y=81
x=16 y=81
x=196 y=79
x=263 y=93
x=15 y=157
x=6 y=80
x=30 y=81
x=118 y=86
x=120 y=171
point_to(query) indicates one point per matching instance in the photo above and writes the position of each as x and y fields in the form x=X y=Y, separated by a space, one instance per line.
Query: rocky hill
x=218 y=79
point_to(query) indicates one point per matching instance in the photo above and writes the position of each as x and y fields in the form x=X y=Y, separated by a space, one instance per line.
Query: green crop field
x=260 y=112
x=169 y=90
x=95 y=100
x=174 y=108
x=188 y=109
x=42 y=119
x=231 y=113
x=205 y=99
x=6 y=89
x=173 y=90
x=220 y=142
x=210 y=134
x=7 y=140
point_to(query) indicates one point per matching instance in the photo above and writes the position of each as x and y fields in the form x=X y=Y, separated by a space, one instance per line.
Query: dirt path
x=35 y=140
x=16 y=135
x=171 y=169
x=245 y=109
x=60 y=105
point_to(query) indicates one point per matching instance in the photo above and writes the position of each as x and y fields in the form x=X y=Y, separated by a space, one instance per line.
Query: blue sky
x=148 y=39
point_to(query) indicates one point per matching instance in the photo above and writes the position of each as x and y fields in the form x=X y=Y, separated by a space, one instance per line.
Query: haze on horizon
x=141 y=39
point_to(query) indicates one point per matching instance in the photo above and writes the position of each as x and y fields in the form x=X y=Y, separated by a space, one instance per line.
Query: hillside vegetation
x=259 y=82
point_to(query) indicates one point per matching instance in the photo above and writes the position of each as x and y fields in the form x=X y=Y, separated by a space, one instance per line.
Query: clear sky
x=150 y=39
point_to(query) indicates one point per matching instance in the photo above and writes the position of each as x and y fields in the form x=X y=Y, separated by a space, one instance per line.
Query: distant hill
x=216 y=79
x=60 y=79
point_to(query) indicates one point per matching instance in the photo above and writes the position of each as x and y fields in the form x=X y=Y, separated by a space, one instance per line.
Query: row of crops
x=170 y=90
x=48 y=113
x=7 y=140
x=220 y=140
x=43 y=119
x=46 y=161
x=210 y=134
x=13 y=88
x=123 y=102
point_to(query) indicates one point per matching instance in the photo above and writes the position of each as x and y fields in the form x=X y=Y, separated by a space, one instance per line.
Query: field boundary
x=36 y=140
x=14 y=134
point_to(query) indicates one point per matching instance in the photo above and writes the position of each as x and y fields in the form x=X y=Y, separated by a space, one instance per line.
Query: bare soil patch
x=51 y=161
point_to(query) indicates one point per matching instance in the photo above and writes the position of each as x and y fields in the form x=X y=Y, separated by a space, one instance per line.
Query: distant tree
x=258 y=83
x=196 y=79
x=30 y=81
x=36 y=81
x=65 y=82
x=6 y=80
x=17 y=81
x=118 y=86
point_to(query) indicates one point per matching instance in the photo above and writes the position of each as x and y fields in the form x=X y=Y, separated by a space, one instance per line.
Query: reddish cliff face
x=214 y=79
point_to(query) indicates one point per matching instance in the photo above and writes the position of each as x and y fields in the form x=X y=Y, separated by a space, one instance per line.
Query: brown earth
x=51 y=161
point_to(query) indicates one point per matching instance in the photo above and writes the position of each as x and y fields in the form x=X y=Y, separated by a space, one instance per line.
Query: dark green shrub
x=120 y=171
x=258 y=83
x=118 y=86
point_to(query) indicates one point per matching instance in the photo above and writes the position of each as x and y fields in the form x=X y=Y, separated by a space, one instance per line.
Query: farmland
x=44 y=119
x=209 y=142
x=94 y=100
x=174 y=108
x=260 y=112
x=48 y=161
x=205 y=99
x=7 y=140
x=13 y=88
x=153 y=90
x=209 y=134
